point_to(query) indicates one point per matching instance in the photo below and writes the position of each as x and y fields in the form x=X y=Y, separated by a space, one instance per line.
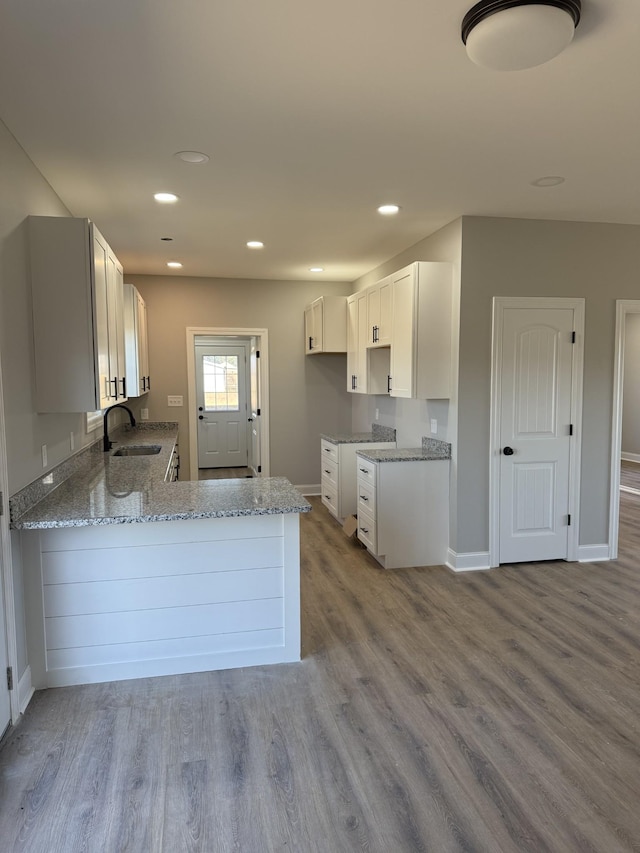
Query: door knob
x=200 y=417
x=200 y=409
x=508 y=451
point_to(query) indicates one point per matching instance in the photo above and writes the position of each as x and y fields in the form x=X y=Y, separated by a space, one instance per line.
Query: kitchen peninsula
x=127 y=575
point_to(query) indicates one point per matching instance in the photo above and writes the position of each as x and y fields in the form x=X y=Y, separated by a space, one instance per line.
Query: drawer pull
x=363 y=498
x=364 y=529
x=326 y=471
x=365 y=470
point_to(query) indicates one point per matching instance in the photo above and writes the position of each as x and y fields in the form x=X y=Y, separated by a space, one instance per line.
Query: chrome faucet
x=107 y=445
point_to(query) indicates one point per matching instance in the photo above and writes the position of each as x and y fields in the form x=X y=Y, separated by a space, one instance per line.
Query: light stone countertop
x=350 y=438
x=126 y=490
x=432 y=450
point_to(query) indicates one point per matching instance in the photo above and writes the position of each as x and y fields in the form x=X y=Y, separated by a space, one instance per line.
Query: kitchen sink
x=139 y=450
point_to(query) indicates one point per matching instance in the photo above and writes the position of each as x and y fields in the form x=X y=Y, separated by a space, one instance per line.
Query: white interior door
x=221 y=399
x=256 y=409
x=535 y=433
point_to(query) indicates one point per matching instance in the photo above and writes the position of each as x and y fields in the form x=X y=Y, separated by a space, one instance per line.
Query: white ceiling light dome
x=510 y=35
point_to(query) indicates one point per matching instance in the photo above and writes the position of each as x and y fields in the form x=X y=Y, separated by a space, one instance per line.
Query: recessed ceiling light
x=548 y=181
x=175 y=265
x=165 y=198
x=167 y=239
x=192 y=156
x=316 y=269
x=255 y=244
x=388 y=209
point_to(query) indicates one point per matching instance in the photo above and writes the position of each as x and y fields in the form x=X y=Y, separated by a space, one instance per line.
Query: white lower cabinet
x=338 y=483
x=403 y=511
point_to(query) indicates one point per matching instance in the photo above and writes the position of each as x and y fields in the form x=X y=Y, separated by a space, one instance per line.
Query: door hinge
x=573 y=337
x=257 y=353
x=569 y=520
x=259 y=469
x=9 y=678
x=257 y=411
x=570 y=429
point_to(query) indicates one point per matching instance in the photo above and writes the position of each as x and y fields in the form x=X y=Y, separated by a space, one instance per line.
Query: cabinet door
x=386 y=306
x=361 y=352
x=101 y=306
x=143 y=343
x=317 y=309
x=373 y=315
x=115 y=323
x=352 y=342
x=308 y=329
x=403 y=334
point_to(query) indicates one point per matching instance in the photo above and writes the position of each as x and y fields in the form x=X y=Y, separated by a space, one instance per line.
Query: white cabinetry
x=76 y=283
x=403 y=515
x=338 y=463
x=379 y=313
x=325 y=325
x=421 y=331
x=136 y=342
x=367 y=367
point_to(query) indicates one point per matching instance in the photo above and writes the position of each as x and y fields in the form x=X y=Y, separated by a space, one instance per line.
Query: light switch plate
x=434 y=426
x=174 y=400
x=144 y=414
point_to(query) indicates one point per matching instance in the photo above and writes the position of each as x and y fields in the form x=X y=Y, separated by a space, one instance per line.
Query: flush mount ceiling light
x=509 y=35
x=165 y=198
x=316 y=269
x=175 y=265
x=192 y=156
x=388 y=209
x=255 y=244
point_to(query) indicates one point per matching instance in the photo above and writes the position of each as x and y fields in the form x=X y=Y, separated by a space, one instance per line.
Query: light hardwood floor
x=432 y=712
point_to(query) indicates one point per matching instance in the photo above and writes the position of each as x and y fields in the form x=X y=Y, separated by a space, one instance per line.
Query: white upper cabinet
x=367 y=367
x=379 y=308
x=421 y=331
x=76 y=283
x=136 y=342
x=325 y=325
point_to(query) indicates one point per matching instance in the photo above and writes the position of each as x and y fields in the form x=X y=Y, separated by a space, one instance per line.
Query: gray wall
x=515 y=257
x=307 y=393
x=631 y=388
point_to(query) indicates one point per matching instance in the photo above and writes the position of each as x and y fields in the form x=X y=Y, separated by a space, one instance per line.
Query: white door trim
x=262 y=337
x=7 y=570
x=500 y=303
x=623 y=308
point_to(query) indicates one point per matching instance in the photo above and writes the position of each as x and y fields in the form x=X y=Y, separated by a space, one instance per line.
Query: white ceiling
x=313 y=113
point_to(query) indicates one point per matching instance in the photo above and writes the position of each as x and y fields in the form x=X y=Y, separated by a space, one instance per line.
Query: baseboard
x=630 y=457
x=473 y=561
x=309 y=489
x=25 y=690
x=593 y=553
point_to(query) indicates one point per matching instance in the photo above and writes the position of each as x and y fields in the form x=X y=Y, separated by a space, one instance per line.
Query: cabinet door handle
x=310 y=342
x=144 y=383
x=375 y=334
x=148 y=383
x=389 y=384
x=124 y=386
x=114 y=382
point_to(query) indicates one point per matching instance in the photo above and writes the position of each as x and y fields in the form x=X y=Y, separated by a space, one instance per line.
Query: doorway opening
x=627 y=327
x=228 y=402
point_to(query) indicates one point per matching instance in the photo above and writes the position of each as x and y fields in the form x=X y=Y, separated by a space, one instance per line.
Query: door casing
x=262 y=340
x=624 y=307
x=500 y=303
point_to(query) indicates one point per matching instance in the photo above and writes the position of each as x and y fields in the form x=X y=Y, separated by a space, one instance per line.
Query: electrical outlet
x=72 y=440
x=44 y=455
x=434 y=426
x=174 y=400
x=144 y=414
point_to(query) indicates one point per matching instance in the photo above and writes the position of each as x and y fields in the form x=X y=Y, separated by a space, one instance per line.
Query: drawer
x=328 y=450
x=329 y=497
x=366 y=497
x=366 y=470
x=367 y=530
x=329 y=471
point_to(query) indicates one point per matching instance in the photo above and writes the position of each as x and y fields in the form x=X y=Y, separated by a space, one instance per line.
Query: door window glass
x=220 y=383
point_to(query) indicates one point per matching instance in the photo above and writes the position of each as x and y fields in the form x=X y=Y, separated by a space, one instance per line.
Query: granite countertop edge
x=133 y=490
x=410 y=454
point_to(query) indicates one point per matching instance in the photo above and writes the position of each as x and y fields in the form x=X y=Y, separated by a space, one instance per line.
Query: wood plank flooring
x=436 y=712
